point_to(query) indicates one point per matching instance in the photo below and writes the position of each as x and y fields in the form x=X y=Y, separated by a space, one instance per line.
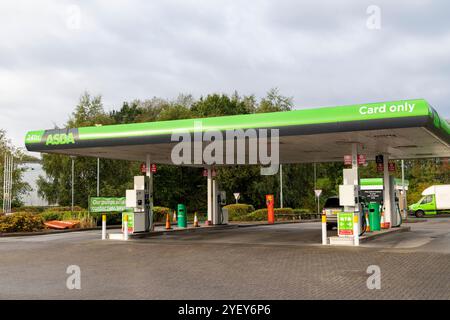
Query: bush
x=306 y=214
x=282 y=214
x=159 y=213
x=49 y=216
x=21 y=222
x=63 y=209
x=257 y=215
x=112 y=218
x=236 y=212
x=261 y=214
x=31 y=209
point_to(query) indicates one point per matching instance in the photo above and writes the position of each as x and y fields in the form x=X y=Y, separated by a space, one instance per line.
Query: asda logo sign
x=57 y=137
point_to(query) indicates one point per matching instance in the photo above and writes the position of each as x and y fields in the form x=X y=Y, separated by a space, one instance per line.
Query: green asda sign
x=60 y=138
x=102 y=204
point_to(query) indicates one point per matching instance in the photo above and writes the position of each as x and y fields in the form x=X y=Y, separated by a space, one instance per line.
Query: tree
x=19 y=187
x=274 y=101
x=214 y=105
x=116 y=175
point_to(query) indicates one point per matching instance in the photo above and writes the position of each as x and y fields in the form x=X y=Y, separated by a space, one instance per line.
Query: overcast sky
x=319 y=52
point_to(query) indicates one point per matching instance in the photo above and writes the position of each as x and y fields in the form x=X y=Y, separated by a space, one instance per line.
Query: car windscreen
x=332 y=203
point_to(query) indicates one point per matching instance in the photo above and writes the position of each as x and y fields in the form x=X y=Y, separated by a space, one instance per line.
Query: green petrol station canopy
x=403 y=129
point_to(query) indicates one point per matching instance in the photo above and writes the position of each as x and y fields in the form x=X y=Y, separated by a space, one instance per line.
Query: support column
x=210 y=205
x=150 y=193
x=403 y=199
x=356 y=213
x=386 y=190
x=215 y=209
x=281 y=186
x=355 y=160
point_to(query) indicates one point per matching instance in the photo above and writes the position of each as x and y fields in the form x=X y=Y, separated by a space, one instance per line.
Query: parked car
x=331 y=209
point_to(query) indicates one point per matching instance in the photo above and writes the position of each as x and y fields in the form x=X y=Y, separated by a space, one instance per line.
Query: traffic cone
x=196 y=220
x=367 y=223
x=174 y=217
x=382 y=224
x=168 y=227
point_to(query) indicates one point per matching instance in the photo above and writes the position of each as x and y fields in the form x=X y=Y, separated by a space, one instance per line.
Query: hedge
x=261 y=214
x=159 y=213
x=21 y=222
x=236 y=212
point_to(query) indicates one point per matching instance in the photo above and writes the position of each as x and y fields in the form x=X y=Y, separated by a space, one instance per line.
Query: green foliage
x=280 y=214
x=19 y=187
x=274 y=102
x=215 y=105
x=159 y=213
x=112 y=218
x=49 y=216
x=31 y=209
x=20 y=222
x=236 y=212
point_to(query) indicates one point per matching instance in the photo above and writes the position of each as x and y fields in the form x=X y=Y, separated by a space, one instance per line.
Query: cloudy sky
x=319 y=52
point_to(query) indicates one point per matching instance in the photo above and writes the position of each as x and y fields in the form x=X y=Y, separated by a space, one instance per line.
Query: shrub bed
x=21 y=222
x=236 y=212
x=159 y=213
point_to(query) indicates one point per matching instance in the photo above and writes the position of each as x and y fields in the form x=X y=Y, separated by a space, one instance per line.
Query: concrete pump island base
x=395 y=130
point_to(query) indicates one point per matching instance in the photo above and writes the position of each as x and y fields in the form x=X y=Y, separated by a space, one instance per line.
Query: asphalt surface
x=265 y=262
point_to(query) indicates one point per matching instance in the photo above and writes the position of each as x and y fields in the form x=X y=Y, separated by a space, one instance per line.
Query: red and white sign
x=205 y=172
x=380 y=167
x=348 y=160
x=213 y=172
x=153 y=168
x=391 y=166
x=361 y=159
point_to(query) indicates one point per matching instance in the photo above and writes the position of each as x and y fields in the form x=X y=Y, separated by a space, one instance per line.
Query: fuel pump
x=137 y=201
x=396 y=219
x=372 y=190
x=221 y=202
x=351 y=201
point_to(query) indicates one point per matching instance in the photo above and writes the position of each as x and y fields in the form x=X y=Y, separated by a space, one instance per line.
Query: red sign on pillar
x=348 y=160
x=143 y=168
x=270 y=210
x=391 y=166
x=205 y=172
x=361 y=159
x=379 y=160
x=153 y=168
x=380 y=167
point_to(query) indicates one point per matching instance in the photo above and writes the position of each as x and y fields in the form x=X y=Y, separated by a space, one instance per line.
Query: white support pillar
x=98 y=177
x=209 y=202
x=355 y=160
x=356 y=213
x=281 y=186
x=404 y=211
x=215 y=209
x=386 y=190
x=150 y=192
